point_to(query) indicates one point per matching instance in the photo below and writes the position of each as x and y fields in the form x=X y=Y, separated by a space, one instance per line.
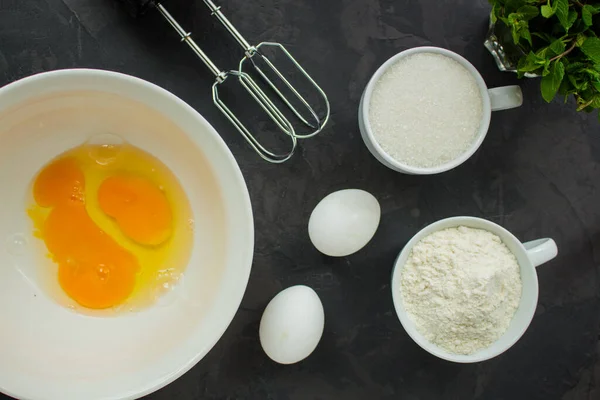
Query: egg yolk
x=139 y=207
x=60 y=182
x=92 y=268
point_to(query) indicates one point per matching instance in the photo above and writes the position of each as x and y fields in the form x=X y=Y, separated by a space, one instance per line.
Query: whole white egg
x=292 y=325
x=344 y=222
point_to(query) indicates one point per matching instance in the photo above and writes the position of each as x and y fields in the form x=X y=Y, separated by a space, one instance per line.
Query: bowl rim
x=483 y=127
x=407 y=324
x=243 y=202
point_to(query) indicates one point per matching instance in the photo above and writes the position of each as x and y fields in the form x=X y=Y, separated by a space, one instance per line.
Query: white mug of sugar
x=427 y=110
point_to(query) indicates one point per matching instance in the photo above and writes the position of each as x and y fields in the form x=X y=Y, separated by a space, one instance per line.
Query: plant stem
x=584 y=105
x=570 y=49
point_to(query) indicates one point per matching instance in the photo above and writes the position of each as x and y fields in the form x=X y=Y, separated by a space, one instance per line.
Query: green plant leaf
x=516 y=35
x=592 y=72
x=575 y=82
x=572 y=18
x=557 y=47
x=531 y=63
x=546 y=69
x=526 y=35
x=495 y=11
x=596 y=85
x=574 y=66
x=543 y=52
x=513 y=5
x=519 y=28
x=561 y=8
x=586 y=14
x=522 y=27
x=529 y=12
x=551 y=82
x=548 y=10
x=586 y=17
x=580 y=39
x=514 y=18
x=591 y=48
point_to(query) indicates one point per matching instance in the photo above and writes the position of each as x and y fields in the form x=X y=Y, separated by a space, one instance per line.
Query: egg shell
x=292 y=325
x=344 y=222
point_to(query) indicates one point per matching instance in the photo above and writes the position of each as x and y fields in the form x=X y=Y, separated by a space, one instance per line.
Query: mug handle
x=505 y=97
x=541 y=250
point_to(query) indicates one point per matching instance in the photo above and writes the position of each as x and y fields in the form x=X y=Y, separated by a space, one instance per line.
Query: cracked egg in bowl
x=127 y=234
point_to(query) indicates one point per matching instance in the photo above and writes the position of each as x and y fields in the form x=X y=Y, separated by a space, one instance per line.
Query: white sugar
x=426 y=110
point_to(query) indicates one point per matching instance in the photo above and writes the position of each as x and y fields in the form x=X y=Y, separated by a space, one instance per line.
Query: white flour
x=426 y=110
x=461 y=287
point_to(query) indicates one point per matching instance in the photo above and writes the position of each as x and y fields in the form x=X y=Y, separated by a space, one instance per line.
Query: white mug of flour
x=427 y=110
x=526 y=256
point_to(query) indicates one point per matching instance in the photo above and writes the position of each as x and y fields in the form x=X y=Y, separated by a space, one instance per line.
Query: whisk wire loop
x=252 y=54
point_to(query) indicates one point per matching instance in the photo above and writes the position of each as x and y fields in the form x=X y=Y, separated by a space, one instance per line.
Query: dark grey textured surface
x=537 y=174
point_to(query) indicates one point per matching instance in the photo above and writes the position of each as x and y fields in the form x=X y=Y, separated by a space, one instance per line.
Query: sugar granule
x=426 y=110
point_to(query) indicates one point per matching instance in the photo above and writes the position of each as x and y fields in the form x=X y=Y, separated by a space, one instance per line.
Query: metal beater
x=252 y=57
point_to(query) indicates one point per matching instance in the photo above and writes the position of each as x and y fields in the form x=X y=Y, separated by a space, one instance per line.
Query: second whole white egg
x=344 y=222
x=292 y=325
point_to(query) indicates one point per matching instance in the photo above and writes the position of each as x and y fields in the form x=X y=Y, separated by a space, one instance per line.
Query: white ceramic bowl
x=495 y=99
x=50 y=352
x=529 y=255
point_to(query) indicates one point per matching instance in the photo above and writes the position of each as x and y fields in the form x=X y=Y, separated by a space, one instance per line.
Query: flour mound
x=461 y=287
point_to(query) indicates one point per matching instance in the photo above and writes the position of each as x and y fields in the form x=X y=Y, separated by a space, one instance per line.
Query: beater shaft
x=248 y=83
x=252 y=53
